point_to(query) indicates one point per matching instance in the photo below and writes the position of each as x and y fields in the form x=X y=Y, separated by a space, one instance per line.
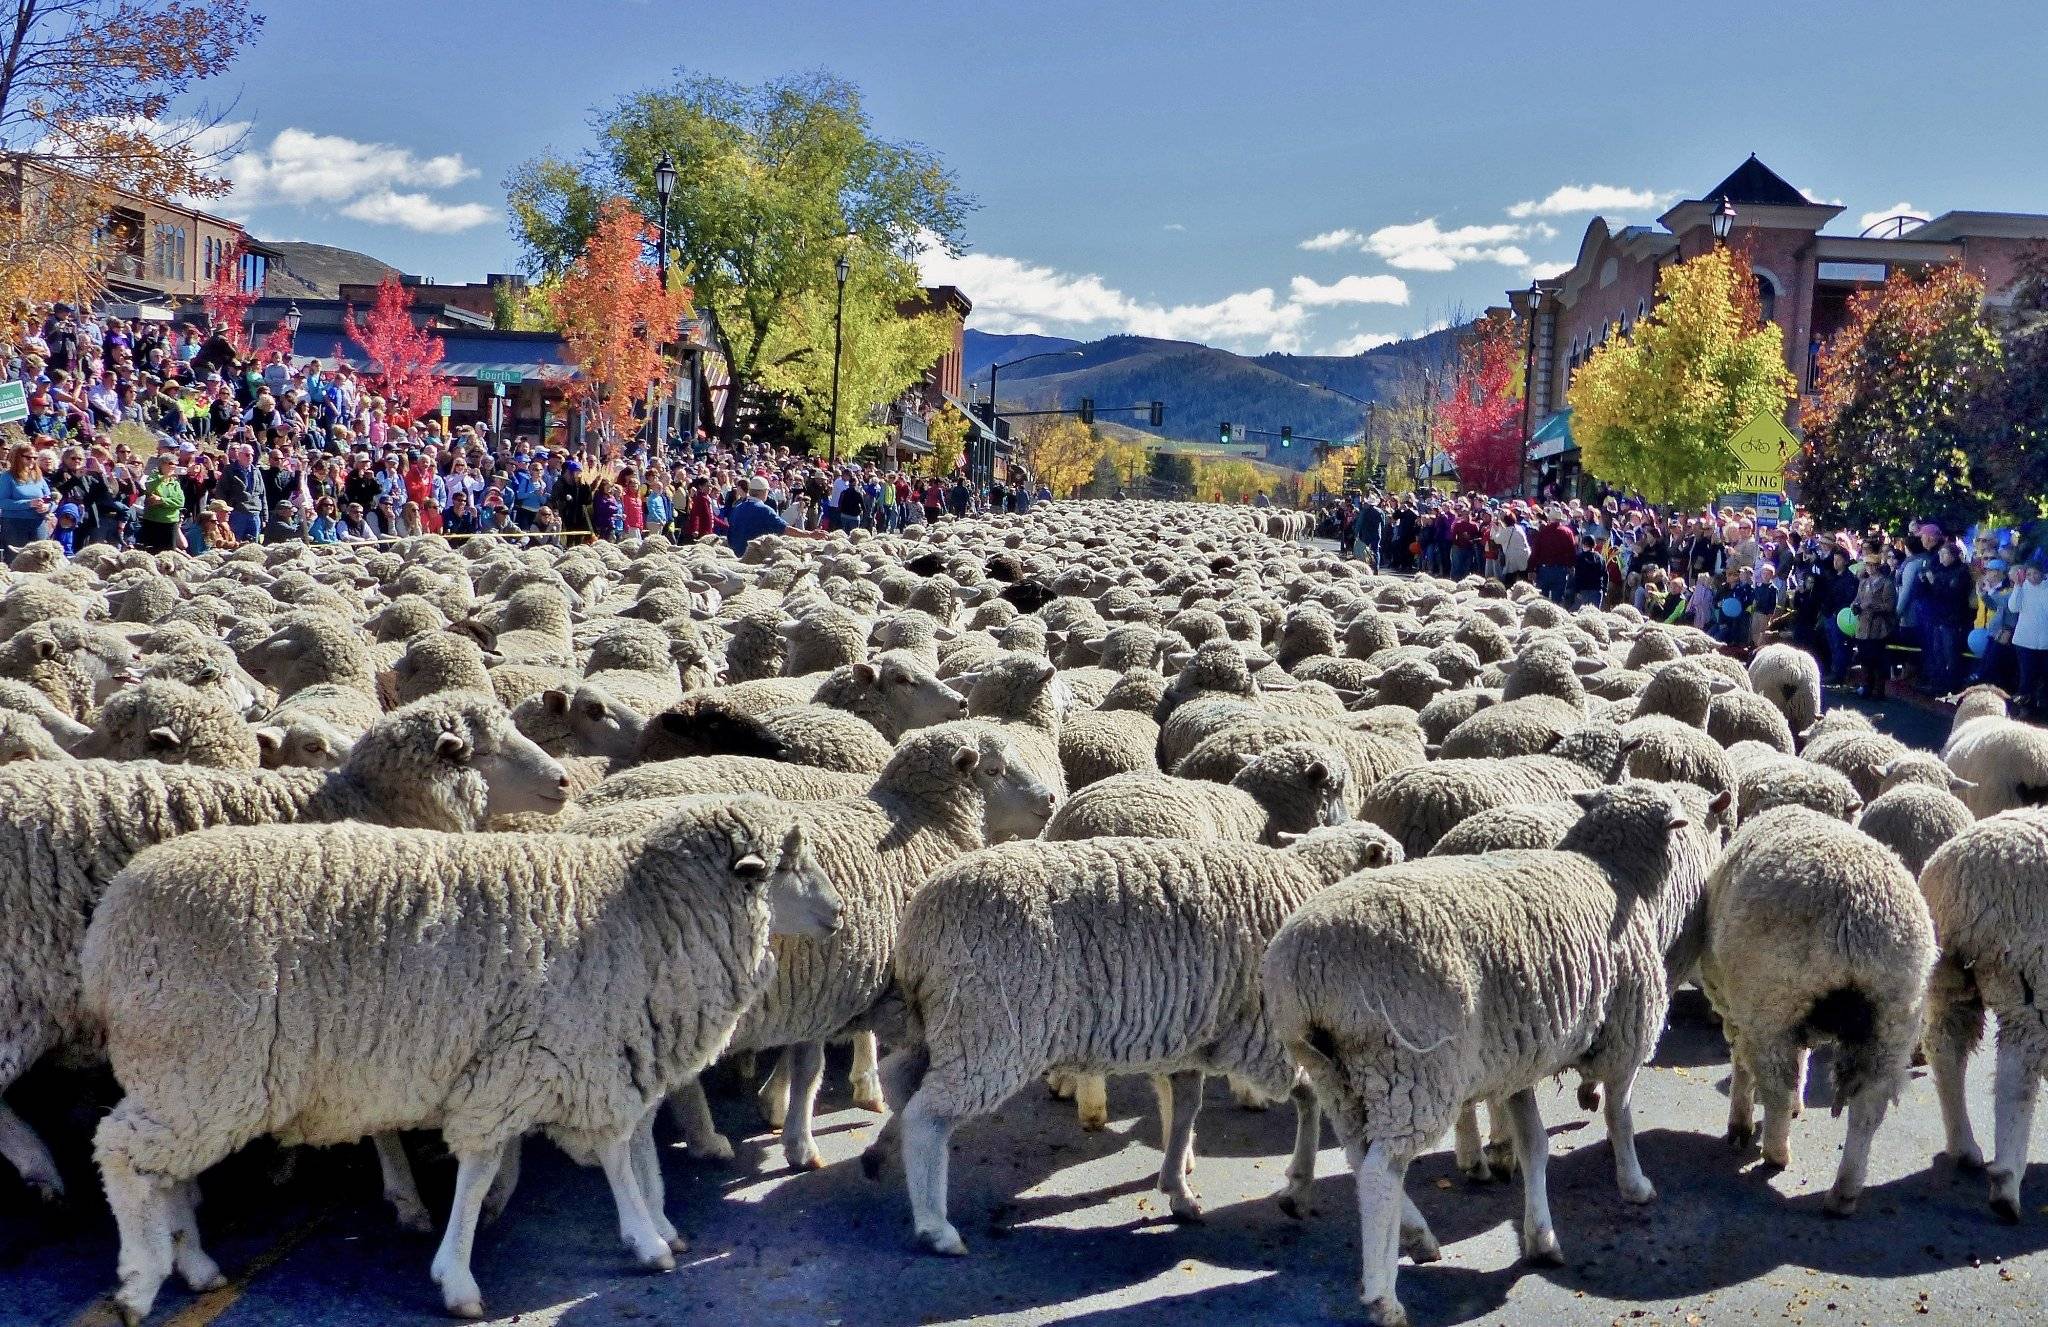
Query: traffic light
x=1087 y=410
x=1158 y=414
x=1287 y=435
x=1223 y=433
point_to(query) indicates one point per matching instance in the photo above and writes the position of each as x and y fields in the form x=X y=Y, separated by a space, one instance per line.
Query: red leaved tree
x=401 y=354
x=614 y=317
x=1480 y=423
x=227 y=304
x=278 y=340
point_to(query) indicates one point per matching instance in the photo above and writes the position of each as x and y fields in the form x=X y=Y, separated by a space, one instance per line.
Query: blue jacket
x=15 y=495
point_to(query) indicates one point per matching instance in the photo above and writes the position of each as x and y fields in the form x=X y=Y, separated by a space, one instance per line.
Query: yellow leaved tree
x=1652 y=410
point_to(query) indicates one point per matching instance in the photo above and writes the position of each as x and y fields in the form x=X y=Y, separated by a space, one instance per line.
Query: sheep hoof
x=803 y=1156
x=717 y=1147
x=1093 y=1121
x=1742 y=1137
x=463 y=1301
x=1186 y=1207
x=945 y=1240
x=1589 y=1096
x=1501 y=1157
x=1293 y=1203
x=1061 y=1085
x=1386 y=1312
x=1477 y=1171
x=411 y=1215
x=663 y=1260
x=1839 y=1202
x=200 y=1282
x=1642 y=1191
x=1779 y=1158
x=1541 y=1249
x=867 y=1094
x=1970 y=1158
x=1421 y=1246
x=2005 y=1198
x=677 y=1244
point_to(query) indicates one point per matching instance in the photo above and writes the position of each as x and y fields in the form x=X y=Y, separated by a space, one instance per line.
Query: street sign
x=494 y=373
x=13 y=402
x=1763 y=446
x=497 y=388
x=447 y=406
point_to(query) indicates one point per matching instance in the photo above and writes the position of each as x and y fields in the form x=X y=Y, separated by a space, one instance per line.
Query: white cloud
x=1813 y=197
x=1331 y=240
x=1542 y=271
x=1423 y=246
x=1380 y=289
x=1011 y=295
x=1364 y=341
x=1572 y=199
x=415 y=211
x=1869 y=219
x=299 y=166
x=1175 y=226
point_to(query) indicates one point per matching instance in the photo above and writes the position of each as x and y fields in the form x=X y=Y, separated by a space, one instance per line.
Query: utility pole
x=1528 y=386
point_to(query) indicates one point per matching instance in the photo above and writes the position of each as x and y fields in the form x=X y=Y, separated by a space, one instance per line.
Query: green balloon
x=1846 y=620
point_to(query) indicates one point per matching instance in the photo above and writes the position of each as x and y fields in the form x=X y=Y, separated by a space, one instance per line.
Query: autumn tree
x=1653 y=410
x=402 y=354
x=227 y=304
x=615 y=318
x=1064 y=454
x=2011 y=410
x=947 y=432
x=1892 y=437
x=86 y=87
x=1479 y=421
x=883 y=350
x=770 y=182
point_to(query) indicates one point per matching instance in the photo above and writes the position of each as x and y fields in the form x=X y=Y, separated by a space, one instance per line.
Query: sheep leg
x=1954 y=1025
x=1379 y=1177
x=459 y=1291
x=141 y=1213
x=1061 y=1084
x=867 y=1084
x=806 y=1064
x=499 y=1196
x=27 y=1154
x=774 y=1094
x=199 y=1272
x=1866 y=1112
x=1301 y=1167
x=636 y=1226
x=2019 y=1078
x=1500 y=1138
x=926 y=1138
x=1532 y=1152
x=1418 y=1241
x=1741 y=1101
x=1185 y=1091
x=902 y=1073
x=400 y=1189
x=1091 y=1101
x=1621 y=1136
x=691 y=1110
x=653 y=1190
x=1776 y=1070
x=1469 y=1153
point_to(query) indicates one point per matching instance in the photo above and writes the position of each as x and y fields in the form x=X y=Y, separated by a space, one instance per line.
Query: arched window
x=1766 y=297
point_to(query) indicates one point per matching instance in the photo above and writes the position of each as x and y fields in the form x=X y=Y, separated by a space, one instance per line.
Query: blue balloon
x=1731 y=607
x=1980 y=641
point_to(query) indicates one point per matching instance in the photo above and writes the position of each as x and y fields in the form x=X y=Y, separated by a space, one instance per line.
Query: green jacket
x=163 y=499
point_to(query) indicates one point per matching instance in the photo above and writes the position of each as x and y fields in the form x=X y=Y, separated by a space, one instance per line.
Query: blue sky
x=1283 y=176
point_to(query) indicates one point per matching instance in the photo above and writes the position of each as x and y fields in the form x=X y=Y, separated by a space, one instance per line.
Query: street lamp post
x=664 y=188
x=1528 y=387
x=993 y=370
x=291 y=326
x=840 y=269
x=1724 y=221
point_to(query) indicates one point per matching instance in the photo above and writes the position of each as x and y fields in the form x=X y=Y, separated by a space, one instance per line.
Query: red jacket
x=697 y=515
x=1553 y=546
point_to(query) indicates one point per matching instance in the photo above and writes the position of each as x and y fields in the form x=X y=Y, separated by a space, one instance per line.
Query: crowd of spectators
x=1921 y=600
x=166 y=436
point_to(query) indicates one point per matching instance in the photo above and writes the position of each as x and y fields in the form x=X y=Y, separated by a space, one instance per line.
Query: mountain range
x=1201 y=385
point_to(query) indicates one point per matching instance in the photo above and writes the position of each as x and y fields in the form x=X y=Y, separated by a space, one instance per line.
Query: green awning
x=1554 y=438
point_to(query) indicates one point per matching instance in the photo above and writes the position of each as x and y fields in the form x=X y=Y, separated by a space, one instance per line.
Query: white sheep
x=1815 y=935
x=1286 y=789
x=1417 y=806
x=1789 y=678
x=296 y=982
x=444 y=763
x=1001 y=969
x=1405 y=993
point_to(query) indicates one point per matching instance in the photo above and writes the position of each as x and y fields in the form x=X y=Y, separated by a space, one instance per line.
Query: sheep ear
x=1585 y=798
x=164 y=739
x=555 y=701
x=450 y=746
x=207 y=673
x=750 y=867
x=1629 y=744
x=1286 y=838
x=593 y=710
x=1721 y=801
x=1677 y=821
x=1586 y=667
x=46 y=648
x=1245 y=759
x=866 y=674
x=1375 y=854
x=1958 y=784
x=966 y=758
x=963 y=682
x=1317 y=774
x=1430 y=750
x=270 y=740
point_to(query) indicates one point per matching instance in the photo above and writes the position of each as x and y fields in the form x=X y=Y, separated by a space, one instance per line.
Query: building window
x=254 y=268
x=1766 y=297
x=169 y=241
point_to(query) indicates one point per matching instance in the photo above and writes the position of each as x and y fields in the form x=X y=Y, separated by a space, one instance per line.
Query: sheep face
x=1015 y=805
x=599 y=725
x=911 y=695
x=801 y=899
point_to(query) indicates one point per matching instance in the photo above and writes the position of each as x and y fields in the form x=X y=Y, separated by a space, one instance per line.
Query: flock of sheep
x=317 y=845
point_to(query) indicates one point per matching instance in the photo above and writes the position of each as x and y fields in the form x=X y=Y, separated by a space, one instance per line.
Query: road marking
x=204 y=1310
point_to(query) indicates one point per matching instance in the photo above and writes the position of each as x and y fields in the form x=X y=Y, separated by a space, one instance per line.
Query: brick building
x=1805 y=279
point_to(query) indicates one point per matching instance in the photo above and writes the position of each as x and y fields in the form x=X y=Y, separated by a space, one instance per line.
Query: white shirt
x=2029 y=605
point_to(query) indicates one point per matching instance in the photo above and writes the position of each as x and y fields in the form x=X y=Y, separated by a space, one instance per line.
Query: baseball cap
x=757 y=485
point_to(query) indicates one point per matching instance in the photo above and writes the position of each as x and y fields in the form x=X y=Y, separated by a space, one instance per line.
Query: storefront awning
x=1554 y=438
